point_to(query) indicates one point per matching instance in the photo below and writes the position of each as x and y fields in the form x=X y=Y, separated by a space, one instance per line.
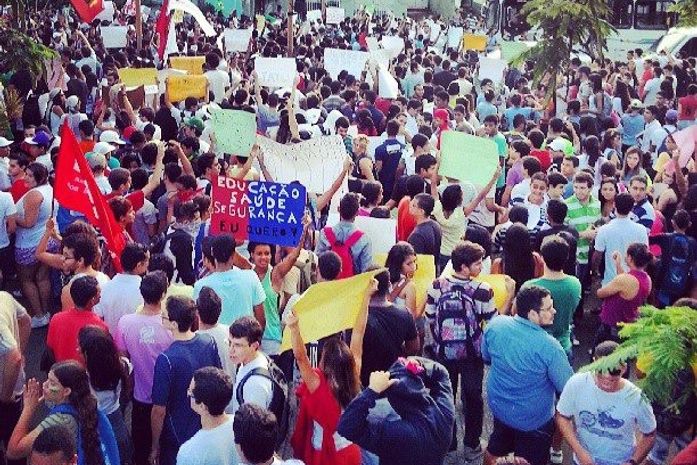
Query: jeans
x=123 y=439
x=471 y=373
x=9 y=415
x=141 y=432
x=661 y=448
x=583 y=274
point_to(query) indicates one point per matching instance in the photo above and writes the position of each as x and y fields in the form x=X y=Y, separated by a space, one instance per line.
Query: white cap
x=4 y=142
x=103 y=148
x=72 y=101
x=111 y=137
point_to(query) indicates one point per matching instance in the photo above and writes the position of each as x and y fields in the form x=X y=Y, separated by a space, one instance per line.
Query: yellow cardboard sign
x=423 y=278
x=193 y=65
x=329 y=307
x=474 y=42
x=496 y=281
x=181 y=87
x=133 y=77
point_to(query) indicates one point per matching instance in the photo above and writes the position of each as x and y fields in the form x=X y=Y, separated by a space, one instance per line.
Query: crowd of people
x=170 y=352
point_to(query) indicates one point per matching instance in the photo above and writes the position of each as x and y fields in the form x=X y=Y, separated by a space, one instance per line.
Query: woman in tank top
x=33 y=211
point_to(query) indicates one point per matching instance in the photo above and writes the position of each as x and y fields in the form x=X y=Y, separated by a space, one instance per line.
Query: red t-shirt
x=543 y=157
x=86 y=146
x=405 y=221
x=18 y=189
x=64 y=329
x=688 y=105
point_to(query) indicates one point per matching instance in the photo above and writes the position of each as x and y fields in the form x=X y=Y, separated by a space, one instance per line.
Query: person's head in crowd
x=348 y=206
x=120 y=180
x=517 y=258
x=556 y=185
x=255 y=430
x=608 y=380
x=80 y=252
x=172 y=173
x=245 y=340
x=518 y=150
x=209 y=306
x=186 y=187
x=632 y=162
x=210 y=391
x=421 y=206
x=650 y=113
x=139 y=178
x=54 y=445
x=518 y=214
x=36 y=175
x=341 y=126
x=420 y=144
x=371 y=194
x=137 y=140
x=85 y=292
x=583 y=184
x=179 y=314
x=479 y=235
x=97 y=163
x=531 y=165
x=380 y=212
x=130 y=161
x=491 y=125
x=569 y=165
x=153 y=287
x=623 y=204
x=608 y=190
x=17 y=165
x=535 y=304
x=148 y=154
x=538 y=188
x=223 y=248
x=555 y=252
x=392 y=129
x=86 y=129
x=638 y=256
x=203 y=205
x=452 y=198
x=681 y=221
x=425 y=166
x=638 y=188
x=186 y=216
x=556 y=212
x=134 y=259
x=401 y=262
x=193 y=127
x=190 y=146
x=467 y=259
x=101 y=356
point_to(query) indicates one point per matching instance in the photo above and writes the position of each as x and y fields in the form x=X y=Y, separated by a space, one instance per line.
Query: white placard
x=491 y=68
x=275 y=72
x=388 y=87
x=393 y=44
x=107 y=14
x=314 y=15
x=114 y=36
x=455 y=36
x=382 y=232
x=373 y=43
x=335 y=15
x=237 y=40
x=336 y=60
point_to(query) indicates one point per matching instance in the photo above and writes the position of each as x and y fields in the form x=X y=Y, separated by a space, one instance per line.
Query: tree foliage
x=565 y=26
x=18 y=51
x=687 y=12
x=665 y=342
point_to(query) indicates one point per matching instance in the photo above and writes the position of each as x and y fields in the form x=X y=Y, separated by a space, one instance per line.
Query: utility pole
x=291 y=39
x=139 y=26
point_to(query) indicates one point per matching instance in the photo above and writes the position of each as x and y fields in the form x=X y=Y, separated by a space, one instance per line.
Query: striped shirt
x=644 y=214
x=582 y=217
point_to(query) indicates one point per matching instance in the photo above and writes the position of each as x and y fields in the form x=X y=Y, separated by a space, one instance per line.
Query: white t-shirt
x=606 y=421
x=220 y=334
x=210 y=447
x=257 y=389
x=219 y=81
x=7 y=208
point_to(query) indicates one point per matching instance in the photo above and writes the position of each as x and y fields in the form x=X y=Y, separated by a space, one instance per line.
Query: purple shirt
x=515 y=174
x=144 y=338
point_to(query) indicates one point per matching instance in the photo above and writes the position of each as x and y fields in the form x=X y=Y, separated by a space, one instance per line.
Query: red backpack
x=343 y=250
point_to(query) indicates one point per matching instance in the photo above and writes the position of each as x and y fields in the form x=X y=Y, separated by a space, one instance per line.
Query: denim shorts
x=661 y=448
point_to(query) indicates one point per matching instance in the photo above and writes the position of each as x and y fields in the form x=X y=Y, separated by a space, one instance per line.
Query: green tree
x=687 y=12
x=565 y=26
x=18 y=51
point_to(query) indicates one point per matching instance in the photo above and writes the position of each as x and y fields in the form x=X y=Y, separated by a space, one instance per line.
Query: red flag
x=76 y=189
x=162 y=28
x=88 y=10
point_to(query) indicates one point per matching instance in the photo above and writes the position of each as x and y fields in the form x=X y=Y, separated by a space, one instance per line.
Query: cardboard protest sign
x=512 y=50
x=235 y=130
x=393 y=44
x=492 y=68
x=181 y=87
x=131 y=77
x=335 y=15
x=114 y=36
x=455 y=36
x=382 y=232
x=275 y=72
x=107 y=14
x=314 y=15
x=337 y=60
x=258 y=211
x=329 y=307
x=468 y=158
x=686 y=140
x=474 y=42
x=237 y=40
x=192 y=65
x=388 y=87
x=423 y=278
x=316 y=163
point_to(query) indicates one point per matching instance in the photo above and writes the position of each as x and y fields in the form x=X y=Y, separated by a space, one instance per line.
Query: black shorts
x=533 y=445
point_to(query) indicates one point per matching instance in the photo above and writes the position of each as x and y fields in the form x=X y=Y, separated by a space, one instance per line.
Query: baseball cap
x=96 y=160
x=72 y=101
x=562 y=145
x=195 y=122
x=111 y=137
x=4 y=142
x=636 y=104
x=103 y=148
x=40 y=138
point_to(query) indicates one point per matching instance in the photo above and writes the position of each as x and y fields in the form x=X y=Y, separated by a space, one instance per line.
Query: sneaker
x=472 y=455
x=556 y=457
x=40 y=321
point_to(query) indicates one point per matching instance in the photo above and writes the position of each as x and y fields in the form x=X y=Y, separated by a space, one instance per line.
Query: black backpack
x=279 y=405
x=678 y=266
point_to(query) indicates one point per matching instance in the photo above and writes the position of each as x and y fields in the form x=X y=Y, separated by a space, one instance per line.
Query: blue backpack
x=110 y=449
x=678 y=268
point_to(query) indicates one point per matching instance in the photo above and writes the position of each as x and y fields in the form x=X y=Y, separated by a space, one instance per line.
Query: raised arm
x=470 y=207
x=51 y=259
x=248 y=164
x=325 y=198
x=186 y=164
x=156 y=177
x=308 y=375
x=281 y=270
x=358 y=332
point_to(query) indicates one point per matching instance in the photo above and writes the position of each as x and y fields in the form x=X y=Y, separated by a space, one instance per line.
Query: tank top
x=273 y=319
x=616 y=309
x=27 y=238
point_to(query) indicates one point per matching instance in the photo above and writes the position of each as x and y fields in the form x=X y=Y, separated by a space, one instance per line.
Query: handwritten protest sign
x=193 y=65
x=335 y=15
x=316 y=163
x=237 y=40
x=314 y=15
x=114 y=36
x=138 y=76
x=329 y=307
x=181 y=87
x=423 y=277
x=107 y=14
x=235 y=130
x=474 y=42
x=455 y=36
x=491 y=68
x=275 y=72
x=468 y=158
x=337 y=60
x=258 y=211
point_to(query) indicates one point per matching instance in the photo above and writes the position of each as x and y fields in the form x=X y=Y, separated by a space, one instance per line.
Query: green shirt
x=503 y=151
x=581 y=217
x=273 y=318
x=566 y=294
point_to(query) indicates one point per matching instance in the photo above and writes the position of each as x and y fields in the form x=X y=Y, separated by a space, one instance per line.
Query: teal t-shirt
x=566 y=293
x=272 y=331
x=500 y=140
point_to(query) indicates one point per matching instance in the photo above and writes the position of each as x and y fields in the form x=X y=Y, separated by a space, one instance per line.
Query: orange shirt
x=86 y=145
x=405 y=221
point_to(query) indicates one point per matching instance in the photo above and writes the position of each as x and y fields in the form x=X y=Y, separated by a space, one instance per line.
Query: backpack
x=107 y=439
x=678 y=267
x=280 y=405
x=343 y=250
x=306 y=268
x=458 y=329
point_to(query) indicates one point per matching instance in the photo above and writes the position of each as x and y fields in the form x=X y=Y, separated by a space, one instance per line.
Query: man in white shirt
x=218 y=79
x=245 y=343
x=654 y=133
x=210 y=392
x=5 y=181
x=97 y=162
x=652 y=87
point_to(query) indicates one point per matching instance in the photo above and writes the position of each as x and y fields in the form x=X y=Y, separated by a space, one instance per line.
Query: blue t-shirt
x=511 y=113
x=389 y=153
x=240 y=291
x=174 y=369
x=632 y=125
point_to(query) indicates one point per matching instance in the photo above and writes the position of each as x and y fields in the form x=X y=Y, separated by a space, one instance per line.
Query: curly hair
x=72 y=375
